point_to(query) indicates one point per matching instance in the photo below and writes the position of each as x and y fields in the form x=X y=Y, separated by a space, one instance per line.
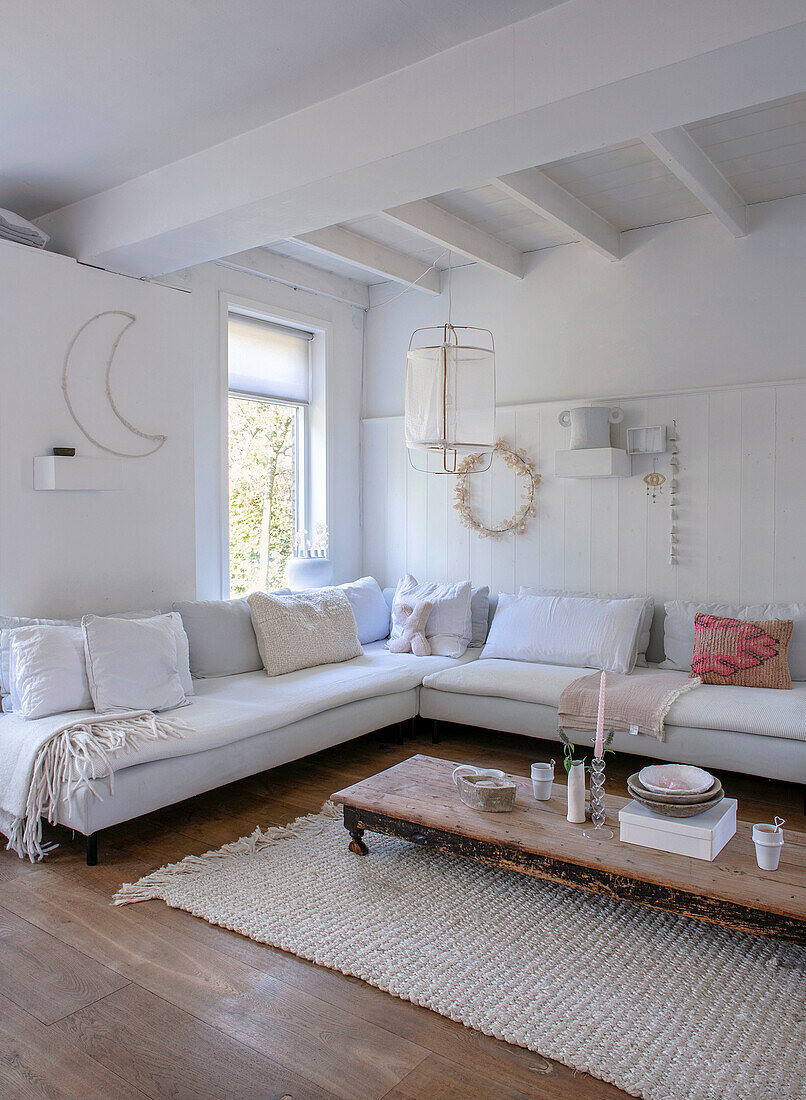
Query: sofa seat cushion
x=226 y=709
x=765 y=711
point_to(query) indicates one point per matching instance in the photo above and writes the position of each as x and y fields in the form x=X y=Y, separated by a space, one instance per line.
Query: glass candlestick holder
x=600 y=831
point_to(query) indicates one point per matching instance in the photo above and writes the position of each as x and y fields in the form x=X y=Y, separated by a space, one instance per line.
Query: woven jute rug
x=664 y=1007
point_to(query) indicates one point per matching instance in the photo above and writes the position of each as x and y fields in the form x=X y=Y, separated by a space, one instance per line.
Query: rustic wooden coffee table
x=417 y=801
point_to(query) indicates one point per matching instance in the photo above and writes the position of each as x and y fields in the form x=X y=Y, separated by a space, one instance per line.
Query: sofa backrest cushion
x=678 y=629
x=222 y=639
x=565 y=630
x=449 y=626
x=371 y=611
x=482 y=607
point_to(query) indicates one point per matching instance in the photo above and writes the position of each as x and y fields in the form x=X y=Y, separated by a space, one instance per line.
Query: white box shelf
x=592 y=462
x=647 y=441
x=55 y=473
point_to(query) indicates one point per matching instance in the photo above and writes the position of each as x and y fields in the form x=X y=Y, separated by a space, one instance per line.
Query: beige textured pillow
x=303 y=630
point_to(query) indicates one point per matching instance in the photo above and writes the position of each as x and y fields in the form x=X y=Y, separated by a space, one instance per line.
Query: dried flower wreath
x=523 y=466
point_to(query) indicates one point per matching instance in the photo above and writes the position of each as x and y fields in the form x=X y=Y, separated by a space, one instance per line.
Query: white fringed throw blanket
x=630 y=701
x=47 y=760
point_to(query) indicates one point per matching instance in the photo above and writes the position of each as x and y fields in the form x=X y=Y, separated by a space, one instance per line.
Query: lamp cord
x=411 y=285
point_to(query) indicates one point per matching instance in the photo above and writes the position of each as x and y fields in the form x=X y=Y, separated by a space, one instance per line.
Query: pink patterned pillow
x=746 y=654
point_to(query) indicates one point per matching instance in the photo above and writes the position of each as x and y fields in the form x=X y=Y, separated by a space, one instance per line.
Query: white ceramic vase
x=303 y=573
x=590 y=425
x=576 y=793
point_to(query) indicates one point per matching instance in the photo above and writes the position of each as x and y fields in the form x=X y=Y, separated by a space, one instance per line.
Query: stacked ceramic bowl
x=675 y=790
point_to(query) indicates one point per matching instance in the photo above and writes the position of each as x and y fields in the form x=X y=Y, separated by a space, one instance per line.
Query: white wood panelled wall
x=741 y=515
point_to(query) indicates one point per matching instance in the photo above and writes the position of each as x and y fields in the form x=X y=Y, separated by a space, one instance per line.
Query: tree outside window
x=264 y=437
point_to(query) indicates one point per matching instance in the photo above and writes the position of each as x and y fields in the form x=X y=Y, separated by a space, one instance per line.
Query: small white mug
x=542 y=779
x=769 y=840
x=471 y=769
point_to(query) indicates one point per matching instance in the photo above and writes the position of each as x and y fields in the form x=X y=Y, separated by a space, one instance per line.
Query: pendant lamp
x=450 y=397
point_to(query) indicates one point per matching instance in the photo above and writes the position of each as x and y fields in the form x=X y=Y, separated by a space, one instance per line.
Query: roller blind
x=268 y=360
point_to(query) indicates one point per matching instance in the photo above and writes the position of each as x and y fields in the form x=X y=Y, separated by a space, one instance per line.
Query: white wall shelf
x=592 y=462
x=53 y=472
x=646 y=441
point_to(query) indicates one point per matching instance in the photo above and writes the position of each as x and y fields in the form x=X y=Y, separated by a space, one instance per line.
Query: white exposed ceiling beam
x=386 y=262
x=534 y=190
x=435 y=224
x=295 y=273
x=682 y=155
x=492 y=106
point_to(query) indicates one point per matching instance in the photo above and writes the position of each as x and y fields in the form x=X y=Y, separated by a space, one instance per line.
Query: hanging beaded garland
x=523 y=466
x=674 y=463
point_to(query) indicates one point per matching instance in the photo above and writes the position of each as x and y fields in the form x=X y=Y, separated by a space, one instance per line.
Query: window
x=269 y=395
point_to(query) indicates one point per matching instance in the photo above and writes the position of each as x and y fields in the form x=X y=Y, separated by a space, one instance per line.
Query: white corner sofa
x=245 y=723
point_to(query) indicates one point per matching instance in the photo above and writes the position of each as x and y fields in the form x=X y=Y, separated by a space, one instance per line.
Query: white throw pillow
x=303 y=630
x=560 y=630
x=47 y=674
x=370 y=609
x=450 y=627
x=678 y=629
x=8 y=623
x=132 y=663
x=646 y=618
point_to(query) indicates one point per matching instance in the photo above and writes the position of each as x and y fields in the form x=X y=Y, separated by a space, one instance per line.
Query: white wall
x=343 y=325
x=63 y=553
x=700 y=323
x=688 y=306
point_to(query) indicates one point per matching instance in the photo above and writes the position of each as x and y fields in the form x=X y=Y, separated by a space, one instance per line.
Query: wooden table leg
x=356 y=831
x=357 y=845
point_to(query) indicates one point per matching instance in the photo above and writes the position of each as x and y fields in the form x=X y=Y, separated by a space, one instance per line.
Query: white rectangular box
x=702 y=837
x=56 y=472
x=592 y=462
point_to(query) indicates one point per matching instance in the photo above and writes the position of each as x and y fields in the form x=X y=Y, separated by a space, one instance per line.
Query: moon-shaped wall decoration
x=157 y=440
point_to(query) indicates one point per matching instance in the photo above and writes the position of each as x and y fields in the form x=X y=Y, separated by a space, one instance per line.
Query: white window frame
x=313 y=492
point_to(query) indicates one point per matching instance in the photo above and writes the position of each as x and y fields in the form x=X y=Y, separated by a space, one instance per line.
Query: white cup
x=769 y=840
x=471 y=769
x=542 y=779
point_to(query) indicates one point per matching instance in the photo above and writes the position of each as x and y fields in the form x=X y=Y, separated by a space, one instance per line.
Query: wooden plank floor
x=147 y=1001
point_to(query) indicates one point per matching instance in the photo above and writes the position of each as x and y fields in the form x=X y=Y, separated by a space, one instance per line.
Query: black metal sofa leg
x=92 y=850
x=435 y=738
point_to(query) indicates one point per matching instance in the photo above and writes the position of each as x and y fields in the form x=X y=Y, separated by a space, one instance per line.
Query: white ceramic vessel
x=769 y=840
x=576 y=793
x=680 y=778
x=542 y=779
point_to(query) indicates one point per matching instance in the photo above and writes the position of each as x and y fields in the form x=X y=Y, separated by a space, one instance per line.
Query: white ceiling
x=761 y=151
x=96 y=92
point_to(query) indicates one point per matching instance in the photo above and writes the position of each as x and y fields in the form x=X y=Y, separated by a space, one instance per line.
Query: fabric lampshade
x=450 y=393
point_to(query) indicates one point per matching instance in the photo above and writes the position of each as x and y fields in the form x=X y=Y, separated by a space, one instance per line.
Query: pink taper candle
x=598 y=749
